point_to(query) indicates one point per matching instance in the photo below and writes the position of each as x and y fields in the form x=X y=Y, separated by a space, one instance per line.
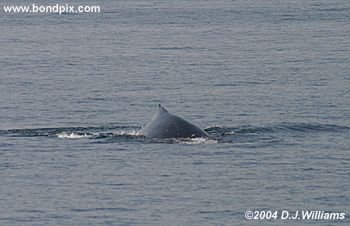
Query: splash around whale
x=166 y=125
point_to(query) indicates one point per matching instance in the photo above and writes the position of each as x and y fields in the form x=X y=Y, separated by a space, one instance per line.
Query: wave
x=61 y=131
x=276 y=128
x=218 y=133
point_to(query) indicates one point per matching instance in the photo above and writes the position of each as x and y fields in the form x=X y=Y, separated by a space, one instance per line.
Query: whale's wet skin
x=166 y=125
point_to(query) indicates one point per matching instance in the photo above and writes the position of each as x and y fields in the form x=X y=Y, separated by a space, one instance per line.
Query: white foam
x=129 y=133
x=213 y=126
x=199 y=140
x=73 y=135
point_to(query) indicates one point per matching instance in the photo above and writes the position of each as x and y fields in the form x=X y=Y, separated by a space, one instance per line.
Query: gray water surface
x=268 y=80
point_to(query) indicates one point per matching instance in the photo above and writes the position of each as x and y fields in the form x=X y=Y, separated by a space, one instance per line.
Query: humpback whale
x=166 y=125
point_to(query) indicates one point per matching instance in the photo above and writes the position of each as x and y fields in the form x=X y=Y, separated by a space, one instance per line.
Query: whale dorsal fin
x=161 y=108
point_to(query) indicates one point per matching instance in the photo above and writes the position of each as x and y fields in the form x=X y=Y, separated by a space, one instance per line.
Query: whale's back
x=166 y=125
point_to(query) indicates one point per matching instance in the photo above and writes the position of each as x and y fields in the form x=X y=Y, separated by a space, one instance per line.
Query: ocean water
x=268 y=80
